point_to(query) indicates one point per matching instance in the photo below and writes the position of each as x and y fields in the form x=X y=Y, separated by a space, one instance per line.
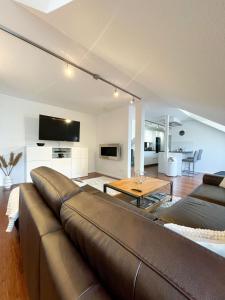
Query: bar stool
x=200 y=154
x=191 y=160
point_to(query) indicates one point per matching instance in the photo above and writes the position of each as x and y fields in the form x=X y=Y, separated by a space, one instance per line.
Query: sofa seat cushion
x=196 y=213
x=136 y=258
x=54 y=187
x=63 y=272
x=210 y=193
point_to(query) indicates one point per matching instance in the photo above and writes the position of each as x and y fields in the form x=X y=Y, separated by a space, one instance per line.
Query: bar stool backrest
x=199 y=154
x=195 y=157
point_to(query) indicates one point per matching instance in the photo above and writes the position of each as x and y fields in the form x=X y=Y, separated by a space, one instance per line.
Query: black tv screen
x=109 y=151
x=57 y=129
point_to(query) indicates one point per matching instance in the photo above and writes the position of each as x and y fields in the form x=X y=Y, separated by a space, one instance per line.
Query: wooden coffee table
x=131 y=187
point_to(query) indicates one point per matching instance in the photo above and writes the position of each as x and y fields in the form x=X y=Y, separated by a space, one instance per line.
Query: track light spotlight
x=69 y=71
x=116 y=93
x=132 y=100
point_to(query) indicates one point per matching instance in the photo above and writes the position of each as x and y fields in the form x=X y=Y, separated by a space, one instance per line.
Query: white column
x=139 y=136
x=167 y=132
x=131 y=116
x=166 y=154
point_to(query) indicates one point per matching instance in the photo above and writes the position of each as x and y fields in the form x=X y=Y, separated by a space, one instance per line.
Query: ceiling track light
x=116 y=93
x=96 y=76
x=132 y=101
x=69 y=71
x=65 y=60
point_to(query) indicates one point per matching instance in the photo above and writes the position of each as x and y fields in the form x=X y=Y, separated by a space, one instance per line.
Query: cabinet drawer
x=62 y=165
x=79 y=152
x=39 y=153
x=79 y=167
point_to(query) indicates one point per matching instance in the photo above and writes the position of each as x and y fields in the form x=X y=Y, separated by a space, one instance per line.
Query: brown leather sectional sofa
x=82 y=244
x=203 y=208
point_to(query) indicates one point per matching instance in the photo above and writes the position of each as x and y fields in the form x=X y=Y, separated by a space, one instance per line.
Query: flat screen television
x=57 y=129
x=110 y=151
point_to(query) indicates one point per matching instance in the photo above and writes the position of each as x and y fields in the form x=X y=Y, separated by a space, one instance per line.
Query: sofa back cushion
x=136 y=258
x=54 y=187
x=36 y=220
x=212 y=179
x=63 y=272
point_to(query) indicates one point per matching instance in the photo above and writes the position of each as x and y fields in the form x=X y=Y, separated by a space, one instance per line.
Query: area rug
x=170 y=203
x=98 y=183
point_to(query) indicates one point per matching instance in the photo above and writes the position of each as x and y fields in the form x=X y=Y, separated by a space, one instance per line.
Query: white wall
x=199 y=136
x=19 y=128
x=114 y=127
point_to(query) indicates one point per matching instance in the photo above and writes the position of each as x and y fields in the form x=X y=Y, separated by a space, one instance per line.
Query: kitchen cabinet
x=150 y=158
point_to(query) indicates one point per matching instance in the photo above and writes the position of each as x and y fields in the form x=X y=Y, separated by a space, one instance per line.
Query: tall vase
x=7 y=182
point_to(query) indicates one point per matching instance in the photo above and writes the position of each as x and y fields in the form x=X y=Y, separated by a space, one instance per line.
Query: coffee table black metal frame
x=139 y=199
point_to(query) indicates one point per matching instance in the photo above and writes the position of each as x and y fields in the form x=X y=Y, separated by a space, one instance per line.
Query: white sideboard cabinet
x=70 y=161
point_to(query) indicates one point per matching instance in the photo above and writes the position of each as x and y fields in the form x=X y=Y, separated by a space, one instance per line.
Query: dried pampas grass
x=7 y=167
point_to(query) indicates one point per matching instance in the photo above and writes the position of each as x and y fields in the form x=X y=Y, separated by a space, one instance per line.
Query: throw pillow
x=210 y=239
x=222 y=183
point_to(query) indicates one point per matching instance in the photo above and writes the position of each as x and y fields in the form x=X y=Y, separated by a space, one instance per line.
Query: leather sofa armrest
x=212 y=179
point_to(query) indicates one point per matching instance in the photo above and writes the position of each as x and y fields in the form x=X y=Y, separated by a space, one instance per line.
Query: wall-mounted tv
x=110 y=151
x=57 y=129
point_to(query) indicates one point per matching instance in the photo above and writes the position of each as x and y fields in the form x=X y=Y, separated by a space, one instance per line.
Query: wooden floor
x=182 y=185
x=12 y=285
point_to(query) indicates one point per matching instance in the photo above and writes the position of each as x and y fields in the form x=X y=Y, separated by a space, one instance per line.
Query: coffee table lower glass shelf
x=151 y=204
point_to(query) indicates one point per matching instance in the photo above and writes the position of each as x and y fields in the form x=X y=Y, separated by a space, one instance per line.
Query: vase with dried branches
x=7 y=167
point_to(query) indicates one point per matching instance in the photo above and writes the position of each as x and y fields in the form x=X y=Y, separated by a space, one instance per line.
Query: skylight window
x=45 y=6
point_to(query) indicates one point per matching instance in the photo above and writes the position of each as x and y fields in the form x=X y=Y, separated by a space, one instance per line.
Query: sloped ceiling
x=171 y=50
x=174 y=48
x=28 y=73
x=204 y=121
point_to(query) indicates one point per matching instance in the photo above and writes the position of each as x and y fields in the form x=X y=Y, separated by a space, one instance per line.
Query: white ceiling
x=173 y=49
x=176 y=47
x=36 y=76
x=29 y=73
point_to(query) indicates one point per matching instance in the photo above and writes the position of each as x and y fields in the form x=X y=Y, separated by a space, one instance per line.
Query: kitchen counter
x=183 y=152
x=177 y=155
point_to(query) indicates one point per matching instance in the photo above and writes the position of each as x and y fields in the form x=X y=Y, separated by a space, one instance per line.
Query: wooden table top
x=149 y=185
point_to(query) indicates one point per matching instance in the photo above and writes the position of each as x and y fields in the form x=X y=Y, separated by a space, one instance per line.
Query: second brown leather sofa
x=203 y=208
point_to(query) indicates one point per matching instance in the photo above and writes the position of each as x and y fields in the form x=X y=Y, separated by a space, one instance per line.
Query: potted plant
x=7 y=167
